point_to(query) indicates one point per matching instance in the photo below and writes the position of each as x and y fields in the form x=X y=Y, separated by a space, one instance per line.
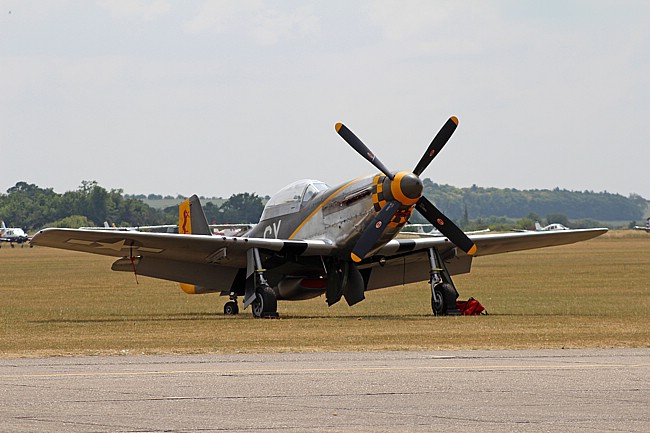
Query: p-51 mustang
x=313 y=239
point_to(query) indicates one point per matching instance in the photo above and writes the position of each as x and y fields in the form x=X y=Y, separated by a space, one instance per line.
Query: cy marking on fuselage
x=272 y=230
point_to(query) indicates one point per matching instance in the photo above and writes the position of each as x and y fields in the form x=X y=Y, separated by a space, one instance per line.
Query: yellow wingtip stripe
x=355 y=258
x=472 y=250
x=190 y=289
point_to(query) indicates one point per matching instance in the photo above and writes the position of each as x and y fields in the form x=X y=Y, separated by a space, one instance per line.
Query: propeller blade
x=445 y=225
x=361 y=148
x=373 y=232
x=437 y=144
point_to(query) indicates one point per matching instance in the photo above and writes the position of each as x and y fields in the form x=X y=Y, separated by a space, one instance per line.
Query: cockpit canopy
x=290 y=198
x=14 y=232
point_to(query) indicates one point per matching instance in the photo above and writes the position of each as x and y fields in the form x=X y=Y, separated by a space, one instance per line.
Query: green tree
x=241 y=208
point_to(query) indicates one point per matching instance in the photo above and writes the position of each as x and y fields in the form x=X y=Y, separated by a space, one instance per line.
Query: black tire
x=442 y=297
x=231 y=308
x=265 y=302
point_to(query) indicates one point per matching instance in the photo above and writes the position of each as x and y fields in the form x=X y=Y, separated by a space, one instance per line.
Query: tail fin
x=191 y=218
x=4 y=226
x=192 y=221
x=538 y=226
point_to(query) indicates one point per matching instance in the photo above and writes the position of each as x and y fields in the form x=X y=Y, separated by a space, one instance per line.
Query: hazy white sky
x=222 y=97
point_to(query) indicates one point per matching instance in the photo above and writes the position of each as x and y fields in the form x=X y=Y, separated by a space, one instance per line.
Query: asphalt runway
x=550 y=390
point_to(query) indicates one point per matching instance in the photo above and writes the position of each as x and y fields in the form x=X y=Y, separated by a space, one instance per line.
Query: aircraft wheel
x=440 y=297
x=265 y=303
x=231 y=308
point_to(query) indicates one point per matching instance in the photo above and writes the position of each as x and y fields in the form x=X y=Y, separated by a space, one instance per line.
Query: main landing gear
x=258 y=294
x=443 y=292
x=264 y=305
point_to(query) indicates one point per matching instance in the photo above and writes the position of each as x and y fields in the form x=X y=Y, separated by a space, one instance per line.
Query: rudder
x=191 y=218
x=192 y=221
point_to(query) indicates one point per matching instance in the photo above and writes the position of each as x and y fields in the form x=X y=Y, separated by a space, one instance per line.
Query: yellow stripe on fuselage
x=320 y=206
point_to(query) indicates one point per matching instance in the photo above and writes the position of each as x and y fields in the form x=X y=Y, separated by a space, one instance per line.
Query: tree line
x=32 y=208
x=476 y=202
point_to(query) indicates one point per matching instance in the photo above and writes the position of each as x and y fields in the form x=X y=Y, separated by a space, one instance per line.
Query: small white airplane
x=13 y=235
x=419 y=231
x=550 y=227
x=217 y=229
x=167 y=228
x=646 y=228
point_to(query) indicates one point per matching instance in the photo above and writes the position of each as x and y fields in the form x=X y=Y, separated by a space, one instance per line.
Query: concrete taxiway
x=550 y=390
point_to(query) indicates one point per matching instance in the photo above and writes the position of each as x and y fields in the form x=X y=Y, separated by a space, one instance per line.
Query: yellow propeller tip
x=338 y=126
x=472 y=250
x=355 y=258
x=454 y=119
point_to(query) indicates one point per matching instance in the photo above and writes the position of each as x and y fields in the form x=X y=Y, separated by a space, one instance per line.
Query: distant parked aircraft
x=646 y=228
x=13 y=235
x=434 y=231
x=217 y=229
x=549 y=228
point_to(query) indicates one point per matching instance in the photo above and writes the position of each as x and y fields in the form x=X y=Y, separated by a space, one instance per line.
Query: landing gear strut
x=259 y=294
x=443 y=292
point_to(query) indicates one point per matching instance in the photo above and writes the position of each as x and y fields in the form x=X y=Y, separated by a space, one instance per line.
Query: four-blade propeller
x=405 y=190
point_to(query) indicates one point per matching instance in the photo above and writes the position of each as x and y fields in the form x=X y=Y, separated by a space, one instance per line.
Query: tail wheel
x=265 y=303
x=231 y=308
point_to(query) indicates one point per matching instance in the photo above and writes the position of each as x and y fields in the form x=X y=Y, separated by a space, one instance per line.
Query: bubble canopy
x=290 y=198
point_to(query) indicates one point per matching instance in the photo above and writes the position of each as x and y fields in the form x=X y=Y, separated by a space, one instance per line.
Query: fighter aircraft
x=313 y=239
x=13 y=235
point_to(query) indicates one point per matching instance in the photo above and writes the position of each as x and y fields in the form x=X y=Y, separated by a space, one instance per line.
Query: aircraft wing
x=213 y=261
x=487 y=244
x=407 y=261
x=189 y=248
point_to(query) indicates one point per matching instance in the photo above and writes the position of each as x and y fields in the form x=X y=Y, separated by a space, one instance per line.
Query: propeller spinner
x=406 y=190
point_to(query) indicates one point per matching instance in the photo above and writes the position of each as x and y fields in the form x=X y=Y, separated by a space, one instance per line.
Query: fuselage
x=311 y=210
x=12 y=234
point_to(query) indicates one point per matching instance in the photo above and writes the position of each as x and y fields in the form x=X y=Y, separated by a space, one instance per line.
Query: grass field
x=588 y=295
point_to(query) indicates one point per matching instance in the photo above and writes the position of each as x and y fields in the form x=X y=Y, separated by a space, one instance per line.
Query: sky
x=221 y=97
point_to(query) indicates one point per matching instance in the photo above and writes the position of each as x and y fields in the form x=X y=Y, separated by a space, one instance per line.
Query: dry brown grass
x=593 y=294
